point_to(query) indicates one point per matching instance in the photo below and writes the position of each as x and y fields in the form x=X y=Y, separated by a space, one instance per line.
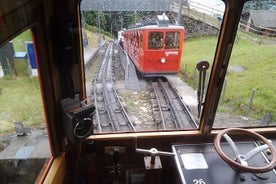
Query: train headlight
x=163 y=60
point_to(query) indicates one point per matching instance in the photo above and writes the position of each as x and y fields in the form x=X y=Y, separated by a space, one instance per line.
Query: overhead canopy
x=125 y=5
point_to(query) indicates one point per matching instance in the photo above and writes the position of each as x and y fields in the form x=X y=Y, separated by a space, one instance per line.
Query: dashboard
x=201 y=164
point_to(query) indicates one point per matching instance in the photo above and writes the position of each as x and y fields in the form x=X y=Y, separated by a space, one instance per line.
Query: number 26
x=199 y=181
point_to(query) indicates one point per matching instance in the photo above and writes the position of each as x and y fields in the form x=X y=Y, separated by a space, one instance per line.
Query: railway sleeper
x=165 y=108
x=152 y=95
x=100 y=99
x=102 y=110
x=154 y=103
x=119 y=110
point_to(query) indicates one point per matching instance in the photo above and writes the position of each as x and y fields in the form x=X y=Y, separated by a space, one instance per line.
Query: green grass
x=259 y=62
x=195 y=50
x=20 y=96
x=20 y=101
x=19 y=41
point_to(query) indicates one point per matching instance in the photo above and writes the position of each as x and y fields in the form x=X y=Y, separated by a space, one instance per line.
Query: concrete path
x=33 y=145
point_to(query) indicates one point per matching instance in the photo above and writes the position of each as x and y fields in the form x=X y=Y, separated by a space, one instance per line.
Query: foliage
x=114 y=21
x=95 y=19
x=96 y=30
x=107 y=21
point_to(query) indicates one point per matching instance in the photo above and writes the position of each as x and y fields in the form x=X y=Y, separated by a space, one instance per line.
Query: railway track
x=110 y=113
x=168 y=108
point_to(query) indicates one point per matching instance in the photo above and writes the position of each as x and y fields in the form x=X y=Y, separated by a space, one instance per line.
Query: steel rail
x=159 y=107
x=180 y=112
x=178 y=123
x=118 y=118
x=185 y=108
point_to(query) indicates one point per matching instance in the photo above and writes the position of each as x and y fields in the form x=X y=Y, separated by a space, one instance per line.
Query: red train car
x=155 y=49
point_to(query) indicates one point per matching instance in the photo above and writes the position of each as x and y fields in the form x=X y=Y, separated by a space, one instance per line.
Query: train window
x=155 y=40
x=172 y=40
x=141 y=42
x=24 y=143
x=170 y=48
x=248 y=97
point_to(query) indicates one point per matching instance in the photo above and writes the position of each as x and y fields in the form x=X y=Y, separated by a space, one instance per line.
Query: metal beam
x=125 y=5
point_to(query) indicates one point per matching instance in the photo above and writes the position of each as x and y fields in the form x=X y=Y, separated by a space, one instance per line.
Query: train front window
x=24 y=143
x=154 y=79
x=172 y=40
x=155 y=40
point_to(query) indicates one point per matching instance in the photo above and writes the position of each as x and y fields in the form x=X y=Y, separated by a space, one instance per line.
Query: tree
x=95 y=18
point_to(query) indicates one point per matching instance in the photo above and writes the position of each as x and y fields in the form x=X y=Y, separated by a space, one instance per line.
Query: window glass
x=172 y=40
x=24 y=144
x=170 y=57
x=155 y=40
x=248 y=98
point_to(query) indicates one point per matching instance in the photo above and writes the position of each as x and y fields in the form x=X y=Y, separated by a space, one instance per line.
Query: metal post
x=180 y=11
x=99 y=25
x=250 y=103
x=185 y=72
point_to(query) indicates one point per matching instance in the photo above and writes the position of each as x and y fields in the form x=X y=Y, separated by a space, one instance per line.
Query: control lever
x=152 y=163
x=153 y=152
x=116 y=164
x=114 y=176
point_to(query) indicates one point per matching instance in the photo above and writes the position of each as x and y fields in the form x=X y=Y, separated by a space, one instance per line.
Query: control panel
x=200 y=164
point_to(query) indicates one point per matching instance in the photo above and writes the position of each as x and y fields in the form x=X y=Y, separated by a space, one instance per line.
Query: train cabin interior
x=50 y=121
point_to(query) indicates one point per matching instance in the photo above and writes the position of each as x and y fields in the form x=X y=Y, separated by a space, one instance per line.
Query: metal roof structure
x=125 y=5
